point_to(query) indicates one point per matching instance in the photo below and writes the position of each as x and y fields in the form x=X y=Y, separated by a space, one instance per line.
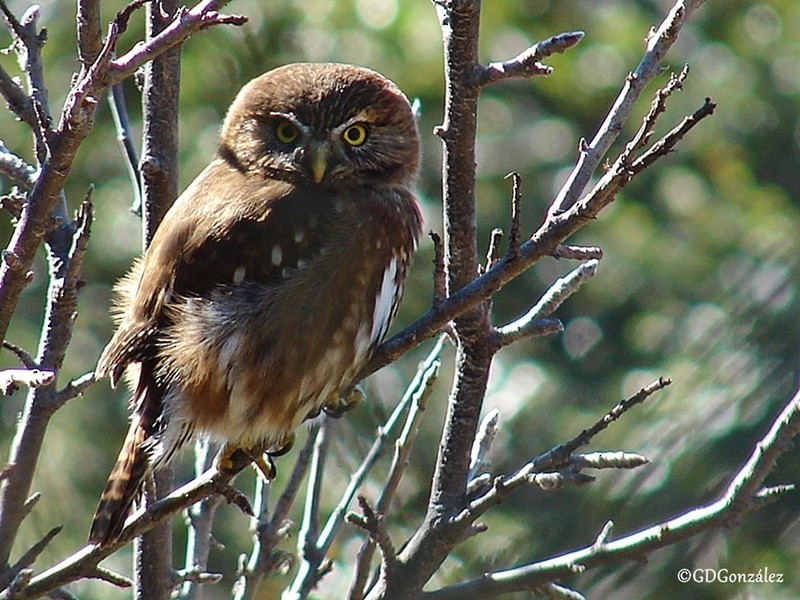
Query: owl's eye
x=355 y=135
x=286 y=132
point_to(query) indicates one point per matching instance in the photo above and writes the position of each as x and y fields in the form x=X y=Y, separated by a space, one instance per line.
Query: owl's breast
x=257 y=357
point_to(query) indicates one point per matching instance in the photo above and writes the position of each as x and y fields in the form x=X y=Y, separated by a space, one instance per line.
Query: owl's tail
x=122 y=487
x=125 y=481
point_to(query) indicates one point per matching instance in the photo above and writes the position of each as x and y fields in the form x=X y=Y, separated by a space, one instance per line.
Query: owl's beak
x=318 y=159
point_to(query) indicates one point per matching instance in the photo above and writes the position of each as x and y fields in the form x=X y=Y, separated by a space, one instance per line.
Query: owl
x=273 y=277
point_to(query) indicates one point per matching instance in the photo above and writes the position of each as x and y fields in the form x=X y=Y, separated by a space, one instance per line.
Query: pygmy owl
x=272 y=278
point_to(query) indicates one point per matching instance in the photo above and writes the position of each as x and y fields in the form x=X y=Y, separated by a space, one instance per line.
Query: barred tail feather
x=123 y=486
x=125 y=481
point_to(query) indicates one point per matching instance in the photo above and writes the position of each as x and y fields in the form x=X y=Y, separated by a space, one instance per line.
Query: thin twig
x=591 y=155
x=119 y=113
x=28 y=558
x=10 y=379
x=578 y=252
x=557 y=457
x=75 y=388
x=421 y=390
x=89 y=31
x=83 y=563
x=531 y=323
x=15 y=168
x=526 y=64
x=202 y=15
x=199 y=539
x=311 y=559
x=483 y=442
x=270 y=531
x=373 y=523
x=27 y=360
x=516 y=209
x=493 y=253
x=29 y=49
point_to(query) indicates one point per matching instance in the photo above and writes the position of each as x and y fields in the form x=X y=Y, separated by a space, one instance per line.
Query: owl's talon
x=265 y=467
x=282 y=447
x=341 y=404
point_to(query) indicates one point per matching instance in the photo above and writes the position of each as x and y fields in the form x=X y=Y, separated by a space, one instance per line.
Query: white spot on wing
x=277 y=255
x=238 y=274
x=384 y=302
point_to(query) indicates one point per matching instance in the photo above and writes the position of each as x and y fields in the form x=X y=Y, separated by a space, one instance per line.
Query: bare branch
x=373 y=523
x=11 y=378
x=83 y=563
x=28 y=558
x=668 y=142
x=90 y=34
x=741 y=496
x=74 y=388
x=557 y=458
x=18 y=101
x=531 y=322
x=578 y=252
x=416 y=392
x=109 y=576
x=515 y=235
x=195 y=576
x=658 y=44
x=119 y=112
x=272 y=530
x=311 y=567
x=556 y=455
x=526 y=64
x=23 y=355
x=609 y=460
x=15 y=168
x=493 y=253
x=199 y=539
x=203 y=14
x=657 y=108
x=29 y=48
x=483 y=442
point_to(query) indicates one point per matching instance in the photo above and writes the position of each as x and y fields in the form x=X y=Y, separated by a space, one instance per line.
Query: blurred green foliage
x=699 y=280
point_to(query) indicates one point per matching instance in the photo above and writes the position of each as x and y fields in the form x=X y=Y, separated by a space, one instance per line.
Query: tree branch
x=83 y=563
x=743 y=494
x=526 y=64
x=658 y=44
x=271 y=531
x=531 y=323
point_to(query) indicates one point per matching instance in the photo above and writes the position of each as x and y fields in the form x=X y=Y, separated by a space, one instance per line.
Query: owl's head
x=322 y=124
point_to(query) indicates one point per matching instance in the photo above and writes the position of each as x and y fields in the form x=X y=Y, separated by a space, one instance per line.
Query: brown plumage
x=273 y=277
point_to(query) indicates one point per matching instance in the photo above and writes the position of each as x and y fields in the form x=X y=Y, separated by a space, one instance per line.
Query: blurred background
x=699 y=281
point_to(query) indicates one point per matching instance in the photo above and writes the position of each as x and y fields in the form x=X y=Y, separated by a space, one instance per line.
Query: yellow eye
x=355 y=135
x=286 y=132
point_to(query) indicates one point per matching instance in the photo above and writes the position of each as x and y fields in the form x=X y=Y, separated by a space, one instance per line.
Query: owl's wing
x=223 y=229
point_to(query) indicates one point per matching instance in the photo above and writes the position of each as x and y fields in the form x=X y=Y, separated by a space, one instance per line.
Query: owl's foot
x=233 y=458
x=338 y=405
